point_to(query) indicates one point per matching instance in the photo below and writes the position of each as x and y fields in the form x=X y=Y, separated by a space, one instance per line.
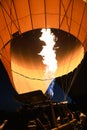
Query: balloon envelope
x=23 y=15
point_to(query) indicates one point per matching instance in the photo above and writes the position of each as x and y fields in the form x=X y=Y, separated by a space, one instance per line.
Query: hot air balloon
x=17 y=20
x=19 y=17
x=22 y=25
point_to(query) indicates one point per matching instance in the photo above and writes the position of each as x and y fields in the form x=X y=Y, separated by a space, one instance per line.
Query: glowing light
x=48 y=52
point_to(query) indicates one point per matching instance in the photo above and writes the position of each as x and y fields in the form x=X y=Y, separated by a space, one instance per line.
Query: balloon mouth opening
x=29 y=69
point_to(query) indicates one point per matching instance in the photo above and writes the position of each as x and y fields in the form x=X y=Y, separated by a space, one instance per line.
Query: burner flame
x=48 y=51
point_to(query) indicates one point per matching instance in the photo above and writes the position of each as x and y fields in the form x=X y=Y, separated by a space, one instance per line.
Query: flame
x=48 y=52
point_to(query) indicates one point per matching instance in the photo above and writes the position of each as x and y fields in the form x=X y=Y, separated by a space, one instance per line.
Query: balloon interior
x=40 y=55
x=43 y=64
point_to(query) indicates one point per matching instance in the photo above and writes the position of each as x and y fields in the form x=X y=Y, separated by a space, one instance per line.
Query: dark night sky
x=7 y=92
